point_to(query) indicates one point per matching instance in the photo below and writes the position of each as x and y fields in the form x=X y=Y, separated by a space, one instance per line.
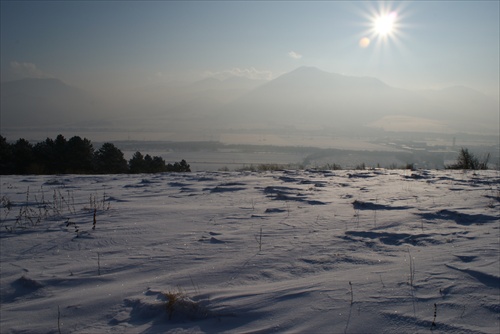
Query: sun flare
x=384 y=24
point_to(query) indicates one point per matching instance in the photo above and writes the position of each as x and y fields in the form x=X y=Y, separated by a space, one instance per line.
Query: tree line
x=77 y=156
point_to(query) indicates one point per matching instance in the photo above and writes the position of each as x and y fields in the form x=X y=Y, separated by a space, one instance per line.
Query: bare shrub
x=467 y=160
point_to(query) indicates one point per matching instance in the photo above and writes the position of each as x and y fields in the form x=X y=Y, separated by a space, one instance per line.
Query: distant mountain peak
x=303 y=70
x=310 y=76
x=308 y=68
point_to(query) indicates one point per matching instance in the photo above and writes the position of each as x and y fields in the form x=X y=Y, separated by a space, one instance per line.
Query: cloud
x=294 y=55
x=250 y=73
x=26 y=70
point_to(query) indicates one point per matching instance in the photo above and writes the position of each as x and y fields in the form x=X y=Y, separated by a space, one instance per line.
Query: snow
x=375 y=251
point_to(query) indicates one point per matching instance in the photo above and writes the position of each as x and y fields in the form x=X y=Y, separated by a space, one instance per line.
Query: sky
x=113 y=45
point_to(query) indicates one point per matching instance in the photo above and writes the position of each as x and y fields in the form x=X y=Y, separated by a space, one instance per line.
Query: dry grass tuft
x=179 y=305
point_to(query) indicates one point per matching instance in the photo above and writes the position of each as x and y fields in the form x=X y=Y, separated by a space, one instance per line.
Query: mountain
x=230 y=83
x=309 y=97
x=166 y=104
x=306 y=98
x=464 y=103
x=45 y=102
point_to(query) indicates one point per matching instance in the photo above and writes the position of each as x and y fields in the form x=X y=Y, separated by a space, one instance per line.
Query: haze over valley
x=304 y=99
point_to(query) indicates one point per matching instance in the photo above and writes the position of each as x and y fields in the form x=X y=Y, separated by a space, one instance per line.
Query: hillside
x=379 y=251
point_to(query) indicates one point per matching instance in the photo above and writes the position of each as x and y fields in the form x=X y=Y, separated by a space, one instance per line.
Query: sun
x=384 y=24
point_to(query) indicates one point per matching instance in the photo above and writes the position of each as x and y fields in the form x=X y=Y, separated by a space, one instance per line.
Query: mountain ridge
x=314 y=97
x=305 y=96
x=45 y=101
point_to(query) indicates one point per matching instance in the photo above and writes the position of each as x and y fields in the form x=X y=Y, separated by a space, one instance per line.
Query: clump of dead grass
x=179 y=305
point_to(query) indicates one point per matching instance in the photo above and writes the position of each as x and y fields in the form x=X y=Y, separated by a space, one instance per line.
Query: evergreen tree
x=79 y=155
x=23 y=157
x=179 y=167
x=6 y=157
x=109 y=159
x=184 y=167
x=60 y=154
x=157 y=165
x=45 y=155
x=137 y=164
x=148 y=161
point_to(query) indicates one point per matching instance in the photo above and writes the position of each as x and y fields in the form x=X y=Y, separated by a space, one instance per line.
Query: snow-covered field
x=378 y=251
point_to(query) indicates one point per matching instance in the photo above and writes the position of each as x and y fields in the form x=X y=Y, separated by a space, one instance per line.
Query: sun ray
x=384 y=25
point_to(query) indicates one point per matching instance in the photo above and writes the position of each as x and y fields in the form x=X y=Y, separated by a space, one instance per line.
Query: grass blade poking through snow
x=434 y=320
x=411 y=276
x=58 y=320
x=259 y=239
x=95 y=221
x=98 y=264
x=352 y=295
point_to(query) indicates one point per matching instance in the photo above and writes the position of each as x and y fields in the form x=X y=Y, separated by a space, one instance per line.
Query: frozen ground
x=379 y=251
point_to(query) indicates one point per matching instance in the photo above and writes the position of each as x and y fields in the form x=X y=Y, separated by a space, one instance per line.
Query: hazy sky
x=123 y=44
